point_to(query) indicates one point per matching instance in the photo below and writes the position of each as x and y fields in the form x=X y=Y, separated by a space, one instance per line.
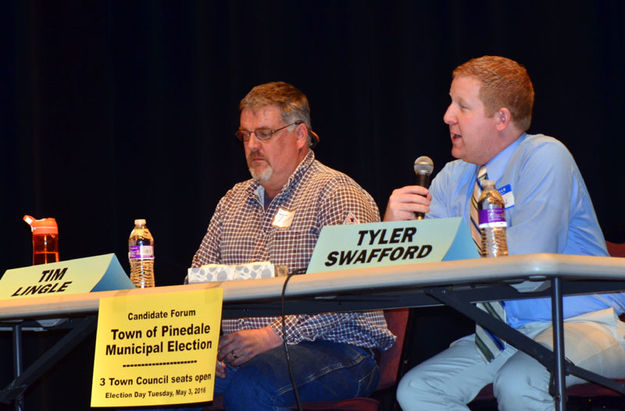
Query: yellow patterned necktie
x=488 y=344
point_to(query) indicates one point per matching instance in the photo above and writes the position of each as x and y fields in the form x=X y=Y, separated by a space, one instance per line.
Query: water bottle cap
x=140 y=221
x=42 y=226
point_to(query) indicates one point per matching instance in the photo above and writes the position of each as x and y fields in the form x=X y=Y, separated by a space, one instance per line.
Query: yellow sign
x=82 y=275
x=156 y=349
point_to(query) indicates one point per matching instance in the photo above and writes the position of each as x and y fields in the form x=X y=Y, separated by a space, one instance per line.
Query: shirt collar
x=497 y=166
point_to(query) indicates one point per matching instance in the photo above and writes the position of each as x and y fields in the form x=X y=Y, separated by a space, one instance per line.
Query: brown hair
x=504 y=83
x=292 y=102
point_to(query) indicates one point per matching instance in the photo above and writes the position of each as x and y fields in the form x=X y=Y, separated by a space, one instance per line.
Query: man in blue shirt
x=548 y=209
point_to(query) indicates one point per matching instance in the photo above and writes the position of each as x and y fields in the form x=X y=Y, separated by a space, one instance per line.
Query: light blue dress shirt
x=548 y=210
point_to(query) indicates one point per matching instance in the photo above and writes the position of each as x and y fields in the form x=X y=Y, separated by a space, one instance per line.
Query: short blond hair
x=504 y=83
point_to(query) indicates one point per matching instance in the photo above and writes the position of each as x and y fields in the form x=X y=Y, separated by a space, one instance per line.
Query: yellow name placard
x=156 y=349
x=81 y=275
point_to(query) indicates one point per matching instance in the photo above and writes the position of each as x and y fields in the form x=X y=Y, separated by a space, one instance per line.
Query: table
x=455 y=283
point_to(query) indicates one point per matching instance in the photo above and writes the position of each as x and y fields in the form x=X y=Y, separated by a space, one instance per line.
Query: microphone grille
x=423 y=165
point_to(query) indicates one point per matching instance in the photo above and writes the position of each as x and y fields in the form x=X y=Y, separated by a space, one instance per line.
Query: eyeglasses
x=263 y=133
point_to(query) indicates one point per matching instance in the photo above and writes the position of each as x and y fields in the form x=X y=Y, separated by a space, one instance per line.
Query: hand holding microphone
x=404 y=201
x=423 y=167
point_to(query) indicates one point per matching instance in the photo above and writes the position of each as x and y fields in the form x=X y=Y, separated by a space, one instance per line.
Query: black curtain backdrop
x=116 y=110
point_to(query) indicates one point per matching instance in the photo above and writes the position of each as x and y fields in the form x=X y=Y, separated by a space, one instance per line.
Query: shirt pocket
x=292 y=247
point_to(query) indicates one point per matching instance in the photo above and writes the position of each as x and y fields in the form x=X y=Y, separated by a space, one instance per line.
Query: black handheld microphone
x=423 y=167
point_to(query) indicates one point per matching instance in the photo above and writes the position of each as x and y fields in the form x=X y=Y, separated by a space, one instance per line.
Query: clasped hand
x=239 y=347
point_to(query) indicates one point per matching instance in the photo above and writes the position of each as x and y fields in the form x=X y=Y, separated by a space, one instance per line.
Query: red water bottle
x=45 y=240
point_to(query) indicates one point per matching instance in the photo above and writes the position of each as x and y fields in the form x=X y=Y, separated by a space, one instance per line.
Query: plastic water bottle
x=492 y=218
x=141 y=255
x=45 y=240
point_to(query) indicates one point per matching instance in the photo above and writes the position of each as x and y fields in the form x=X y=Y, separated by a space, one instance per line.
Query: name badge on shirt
x=507 y=195
x=283 y=218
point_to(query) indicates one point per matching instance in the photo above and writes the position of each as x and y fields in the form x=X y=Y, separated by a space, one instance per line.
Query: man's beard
x=263 y=175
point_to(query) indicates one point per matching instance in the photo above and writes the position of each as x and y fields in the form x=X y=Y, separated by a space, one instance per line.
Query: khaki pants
x=448 y=381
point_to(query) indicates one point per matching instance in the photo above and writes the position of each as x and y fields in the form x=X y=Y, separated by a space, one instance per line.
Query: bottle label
x=494 y=217
x=141 y=251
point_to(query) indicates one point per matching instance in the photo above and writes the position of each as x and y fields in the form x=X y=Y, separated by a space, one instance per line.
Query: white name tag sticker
x=283 y=218
x=507 y=195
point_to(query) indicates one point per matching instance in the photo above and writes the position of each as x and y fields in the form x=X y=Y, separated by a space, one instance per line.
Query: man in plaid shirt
x=277 y=216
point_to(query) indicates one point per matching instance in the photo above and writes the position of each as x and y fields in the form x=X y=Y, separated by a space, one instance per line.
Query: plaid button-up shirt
x=241 y=231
